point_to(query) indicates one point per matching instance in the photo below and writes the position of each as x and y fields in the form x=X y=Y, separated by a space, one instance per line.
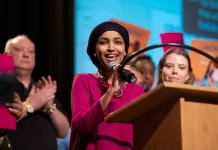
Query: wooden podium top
x=157 y=96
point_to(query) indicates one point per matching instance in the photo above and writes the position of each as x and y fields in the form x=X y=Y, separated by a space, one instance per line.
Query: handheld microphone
x=126 y=75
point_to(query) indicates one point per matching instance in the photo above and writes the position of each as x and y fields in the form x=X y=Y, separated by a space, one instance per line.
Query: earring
x=94 y=55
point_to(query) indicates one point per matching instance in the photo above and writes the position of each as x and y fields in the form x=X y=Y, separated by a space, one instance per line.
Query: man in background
x=42 y=120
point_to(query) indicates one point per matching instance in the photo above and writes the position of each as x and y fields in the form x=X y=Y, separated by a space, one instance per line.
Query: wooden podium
x=173 y=117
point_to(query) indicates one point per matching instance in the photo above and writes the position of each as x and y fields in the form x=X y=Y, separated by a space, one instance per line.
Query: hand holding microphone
x=126 y=75
x=116 y=87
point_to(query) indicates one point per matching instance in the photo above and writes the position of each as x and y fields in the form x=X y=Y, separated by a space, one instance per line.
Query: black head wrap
x=98 y=31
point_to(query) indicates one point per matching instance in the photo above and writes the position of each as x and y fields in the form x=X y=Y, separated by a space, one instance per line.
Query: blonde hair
x=178 y=52
x=10 y=42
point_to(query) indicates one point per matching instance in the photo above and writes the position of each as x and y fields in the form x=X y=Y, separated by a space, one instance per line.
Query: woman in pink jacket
x=96 y=95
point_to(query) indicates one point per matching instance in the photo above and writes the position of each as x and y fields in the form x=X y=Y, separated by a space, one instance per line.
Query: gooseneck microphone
x=130 y=77
x=152 y=47
x=126 y=75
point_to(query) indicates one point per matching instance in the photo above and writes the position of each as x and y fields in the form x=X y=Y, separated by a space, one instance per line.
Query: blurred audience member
x=175 y=66
x=146 y=67
x=211 y=77
x=42 y=120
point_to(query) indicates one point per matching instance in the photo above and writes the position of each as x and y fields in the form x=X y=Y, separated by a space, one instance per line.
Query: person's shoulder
x=135 y=86
x=82 y=76
x=84 y=80
x=134 y=90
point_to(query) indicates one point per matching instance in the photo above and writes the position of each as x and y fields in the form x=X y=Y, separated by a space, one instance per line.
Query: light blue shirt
x=63 y=143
